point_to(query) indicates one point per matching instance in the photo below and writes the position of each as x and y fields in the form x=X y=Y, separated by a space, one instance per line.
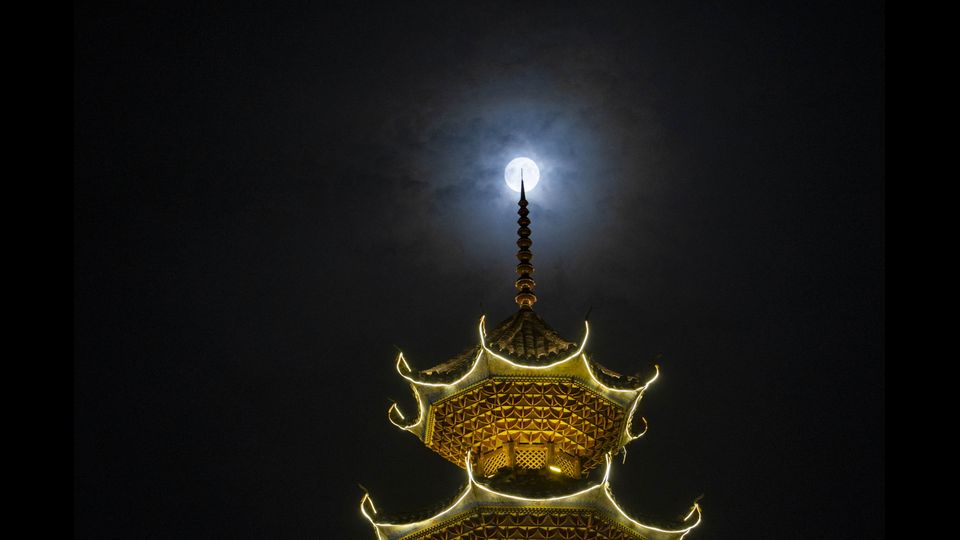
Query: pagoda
x=528 y=415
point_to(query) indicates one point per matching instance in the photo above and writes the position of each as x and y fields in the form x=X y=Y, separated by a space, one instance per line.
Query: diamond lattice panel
x=566 y=464
x=533 y=458
x=482 y=419
x=494 y=461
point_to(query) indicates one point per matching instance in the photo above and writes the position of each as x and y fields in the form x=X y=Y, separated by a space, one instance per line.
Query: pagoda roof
x=488 y=499
x=539 y=483
x=526 y=337
x=522 y=359
x=451 y=369
x=612 y=379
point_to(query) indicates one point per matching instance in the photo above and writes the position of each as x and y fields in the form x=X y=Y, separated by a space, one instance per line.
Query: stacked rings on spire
x=525 y=284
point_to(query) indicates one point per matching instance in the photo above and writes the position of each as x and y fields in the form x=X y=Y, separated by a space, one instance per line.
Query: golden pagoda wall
x=569 y=418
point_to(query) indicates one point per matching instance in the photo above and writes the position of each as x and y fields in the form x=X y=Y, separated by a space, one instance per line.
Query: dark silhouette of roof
x=528 y=338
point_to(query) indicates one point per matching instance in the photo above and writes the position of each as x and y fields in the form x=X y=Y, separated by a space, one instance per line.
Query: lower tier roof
x=480 y=512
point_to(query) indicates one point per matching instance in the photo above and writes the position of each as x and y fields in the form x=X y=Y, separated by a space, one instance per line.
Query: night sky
x=270 y=200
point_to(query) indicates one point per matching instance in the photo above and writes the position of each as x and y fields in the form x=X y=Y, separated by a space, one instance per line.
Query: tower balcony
x=529 y=456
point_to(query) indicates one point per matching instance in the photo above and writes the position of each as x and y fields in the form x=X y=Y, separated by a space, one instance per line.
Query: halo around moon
x=531 y=173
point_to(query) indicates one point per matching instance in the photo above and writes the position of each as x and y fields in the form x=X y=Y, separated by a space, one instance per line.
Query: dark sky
x=269 y=200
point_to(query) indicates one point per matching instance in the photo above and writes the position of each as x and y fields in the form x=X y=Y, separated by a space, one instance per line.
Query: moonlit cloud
x=593 y=134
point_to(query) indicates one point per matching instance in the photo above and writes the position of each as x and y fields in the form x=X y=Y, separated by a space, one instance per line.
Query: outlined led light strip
x=483 y=344
x=420 y=410
x=405 y=371
x=472 y=483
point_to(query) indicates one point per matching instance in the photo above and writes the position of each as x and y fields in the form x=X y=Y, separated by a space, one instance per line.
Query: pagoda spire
x=492 y=410
x=525 y=284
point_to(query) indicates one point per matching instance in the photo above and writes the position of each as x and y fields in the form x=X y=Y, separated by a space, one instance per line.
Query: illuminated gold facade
x=528 y=415
x=522 y=411
x=526 y=423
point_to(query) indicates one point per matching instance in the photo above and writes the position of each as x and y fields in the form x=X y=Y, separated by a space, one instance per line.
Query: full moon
x=531 y=174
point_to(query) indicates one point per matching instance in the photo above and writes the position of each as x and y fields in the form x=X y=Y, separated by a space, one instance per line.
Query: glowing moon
x=531 y=174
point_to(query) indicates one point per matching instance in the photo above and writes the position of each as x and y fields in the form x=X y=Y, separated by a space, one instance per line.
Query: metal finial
x=525 y=284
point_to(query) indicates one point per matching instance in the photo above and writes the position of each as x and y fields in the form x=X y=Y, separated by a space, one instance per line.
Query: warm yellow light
x=483 y=343
x=366 y=499
x=402 y=360
x=685 y=530
x=472 y=483
x=404 y=369
x=419 y=412
x=633 y=408
x=605 y=387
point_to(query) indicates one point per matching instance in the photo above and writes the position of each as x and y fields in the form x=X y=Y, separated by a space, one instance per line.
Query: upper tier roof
x=526 y=337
